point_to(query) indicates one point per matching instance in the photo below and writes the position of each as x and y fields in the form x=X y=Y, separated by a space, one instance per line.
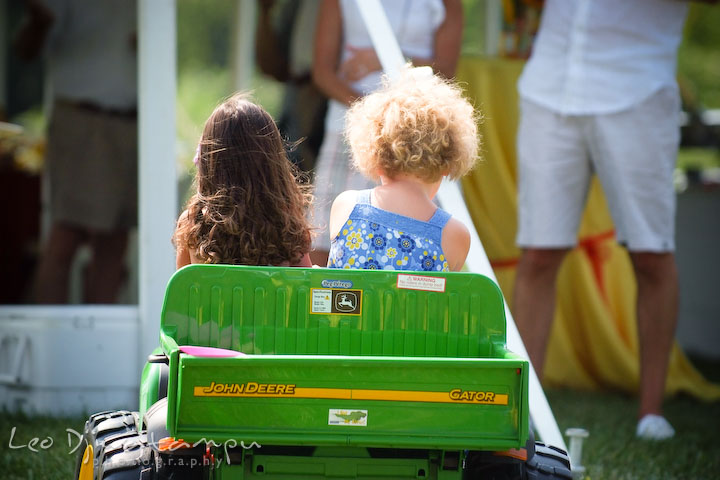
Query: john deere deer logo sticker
x=346 y=302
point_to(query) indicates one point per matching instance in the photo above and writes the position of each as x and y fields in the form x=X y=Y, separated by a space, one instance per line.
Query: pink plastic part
x=209 y=352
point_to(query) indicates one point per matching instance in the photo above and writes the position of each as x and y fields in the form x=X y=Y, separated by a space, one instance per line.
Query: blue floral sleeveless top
x=374 y=239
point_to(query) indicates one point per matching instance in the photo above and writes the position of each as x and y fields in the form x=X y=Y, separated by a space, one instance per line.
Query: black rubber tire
x=127 y=457
x=543 y=463
x=120 y=452
x=99 y=429
x=548 y=463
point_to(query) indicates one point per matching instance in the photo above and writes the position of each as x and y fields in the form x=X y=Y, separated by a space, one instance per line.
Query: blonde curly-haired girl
x=408 y=135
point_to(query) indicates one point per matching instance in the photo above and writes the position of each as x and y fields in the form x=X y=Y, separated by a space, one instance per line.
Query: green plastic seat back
x=271 y=310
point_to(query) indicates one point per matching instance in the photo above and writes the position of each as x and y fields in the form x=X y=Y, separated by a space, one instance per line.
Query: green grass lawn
x=20 y=435
x=611 y=452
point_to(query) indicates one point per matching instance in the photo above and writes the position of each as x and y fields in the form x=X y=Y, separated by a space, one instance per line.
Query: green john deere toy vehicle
x=291 y=373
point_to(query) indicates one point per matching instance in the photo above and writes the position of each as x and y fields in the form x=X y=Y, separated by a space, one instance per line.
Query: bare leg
x=534 y=300
x=106 y=273
x=52 y=277
x=657 y=307
x=319 y=257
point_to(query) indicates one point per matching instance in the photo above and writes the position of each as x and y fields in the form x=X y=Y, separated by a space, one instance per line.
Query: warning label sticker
x=321 y=301
x=341 y=302
x=421 y=282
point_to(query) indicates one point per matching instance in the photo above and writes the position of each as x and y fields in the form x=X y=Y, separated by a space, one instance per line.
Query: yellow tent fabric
x=594 y=341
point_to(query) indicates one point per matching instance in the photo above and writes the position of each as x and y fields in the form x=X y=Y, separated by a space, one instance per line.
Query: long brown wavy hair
x=249 y=208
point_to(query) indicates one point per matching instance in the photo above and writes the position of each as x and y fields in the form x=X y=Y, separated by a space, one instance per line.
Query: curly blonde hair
x=249 y=208
x=420 y=125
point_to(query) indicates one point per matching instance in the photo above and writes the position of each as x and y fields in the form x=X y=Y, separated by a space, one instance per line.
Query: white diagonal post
x=450 y=197
x=383 y=39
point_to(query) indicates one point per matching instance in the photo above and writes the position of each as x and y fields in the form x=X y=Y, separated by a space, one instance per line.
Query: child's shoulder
x=342 y=207
x=456 y=227
x=183 y=221
x=455 y=243
x=348 y=199
x=349 y=196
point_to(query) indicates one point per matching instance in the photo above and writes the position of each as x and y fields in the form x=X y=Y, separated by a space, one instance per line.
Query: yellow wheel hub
x=86 y=467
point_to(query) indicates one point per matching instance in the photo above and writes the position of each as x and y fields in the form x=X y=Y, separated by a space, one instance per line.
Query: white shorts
x=92 y=168
x=633 y=153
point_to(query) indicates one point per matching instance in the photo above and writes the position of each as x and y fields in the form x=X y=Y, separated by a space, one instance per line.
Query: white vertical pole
x=157 y=175
x=243 y=37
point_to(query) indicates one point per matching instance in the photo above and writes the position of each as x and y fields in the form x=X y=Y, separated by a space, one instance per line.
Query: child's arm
x=341 y=209
x=455 y=244
x=447 y=42
x=182 y=254
x=326 y=54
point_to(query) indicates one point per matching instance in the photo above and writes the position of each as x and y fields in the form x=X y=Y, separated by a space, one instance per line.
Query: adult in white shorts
x=599 y=95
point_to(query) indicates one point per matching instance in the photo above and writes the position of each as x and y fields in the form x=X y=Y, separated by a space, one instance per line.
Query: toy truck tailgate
x=363 y=401
x=342 y=357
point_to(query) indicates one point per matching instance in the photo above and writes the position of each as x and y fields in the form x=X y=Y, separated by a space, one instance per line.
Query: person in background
x=249 y=208
x=283 y=50
x=346 y=67
x=409 y=135
x=599 y=95
x=91 y=66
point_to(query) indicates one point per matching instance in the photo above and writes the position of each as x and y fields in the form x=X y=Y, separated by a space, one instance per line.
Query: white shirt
x=603 y=56
x=414 y=23
x=91 y=53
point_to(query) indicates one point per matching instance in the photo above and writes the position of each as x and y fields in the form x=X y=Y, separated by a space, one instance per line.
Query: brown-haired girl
x=249 y=208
